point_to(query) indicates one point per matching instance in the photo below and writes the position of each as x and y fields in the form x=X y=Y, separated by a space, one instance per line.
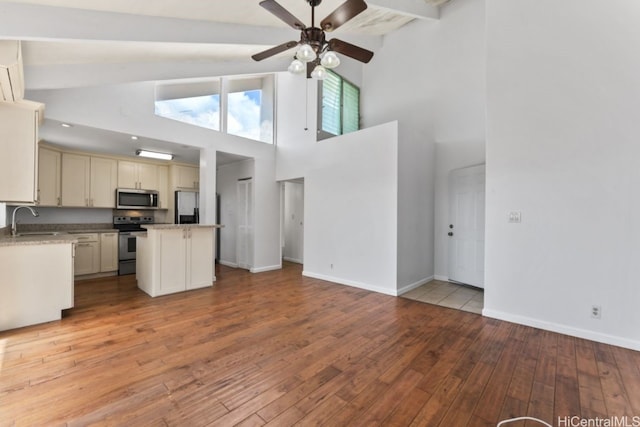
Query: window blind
x=331 y=101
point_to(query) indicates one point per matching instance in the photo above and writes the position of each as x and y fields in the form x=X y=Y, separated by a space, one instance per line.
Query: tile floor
x=461 y=297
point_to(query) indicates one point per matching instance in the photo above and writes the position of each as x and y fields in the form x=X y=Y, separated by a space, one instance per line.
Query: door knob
x=450 y=225
x=450 y=233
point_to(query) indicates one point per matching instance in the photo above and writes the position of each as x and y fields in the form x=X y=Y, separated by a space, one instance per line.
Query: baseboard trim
x=297 y=261
x=442 y=278
x=414 y=285
x=351 y=283
x=228 y=263
x=563 y=329
x=267 y=268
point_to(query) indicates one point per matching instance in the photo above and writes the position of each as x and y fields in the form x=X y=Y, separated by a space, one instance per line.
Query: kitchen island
x=36 y=279
x=175 y=258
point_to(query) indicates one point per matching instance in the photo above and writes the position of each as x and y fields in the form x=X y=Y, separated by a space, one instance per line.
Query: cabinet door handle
x=86 y=202
x=84 y=244
x=59 y=202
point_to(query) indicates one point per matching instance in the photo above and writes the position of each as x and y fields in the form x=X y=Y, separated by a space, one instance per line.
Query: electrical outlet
x=596 y=312
x=515 y=216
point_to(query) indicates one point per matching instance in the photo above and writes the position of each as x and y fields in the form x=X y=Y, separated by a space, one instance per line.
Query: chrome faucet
x=14 y=225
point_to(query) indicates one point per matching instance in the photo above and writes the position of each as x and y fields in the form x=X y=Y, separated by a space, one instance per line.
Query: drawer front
x=90 y=237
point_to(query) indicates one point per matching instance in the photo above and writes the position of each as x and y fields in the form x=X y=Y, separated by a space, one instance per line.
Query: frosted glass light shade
x=297 y=67
x=330 y=60
x=306 y=53
x=319 y=73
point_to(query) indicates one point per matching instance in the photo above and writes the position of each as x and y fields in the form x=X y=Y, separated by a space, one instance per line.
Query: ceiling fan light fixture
x=319 y=73
x=306 y=53
x=330 y=60
x=297 y=67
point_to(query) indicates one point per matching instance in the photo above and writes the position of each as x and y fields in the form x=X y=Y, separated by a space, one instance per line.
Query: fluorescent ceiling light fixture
x=66 y=125
x=154 y=155
x=135 y=138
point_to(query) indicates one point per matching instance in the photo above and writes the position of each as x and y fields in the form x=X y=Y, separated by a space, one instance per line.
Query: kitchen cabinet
x=49 y=177
x=163 y=187
x=186 y=177
x=173 y=259
x=88 y=181
x=36 y=282
x=76 y=178
x=87 y=260
x=139 y=176
x=19 y=151
x=108 y=252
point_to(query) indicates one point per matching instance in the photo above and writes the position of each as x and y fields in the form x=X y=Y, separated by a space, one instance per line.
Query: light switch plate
x=515 y=216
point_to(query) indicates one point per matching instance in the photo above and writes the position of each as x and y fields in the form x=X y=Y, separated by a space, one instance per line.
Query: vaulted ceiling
x=76 y=43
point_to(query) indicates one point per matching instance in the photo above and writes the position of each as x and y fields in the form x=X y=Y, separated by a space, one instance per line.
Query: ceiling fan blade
x=342 y=14
x=274 y=51
x=350 y=50
x=282 y=13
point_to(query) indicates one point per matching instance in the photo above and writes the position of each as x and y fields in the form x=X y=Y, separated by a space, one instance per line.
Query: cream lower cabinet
x=108 y=252
x=175 y=260
x=36 y=283
x=87 y=260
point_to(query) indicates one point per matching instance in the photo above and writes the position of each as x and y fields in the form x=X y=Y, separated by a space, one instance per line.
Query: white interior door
x=466 y=226
x=244 y=235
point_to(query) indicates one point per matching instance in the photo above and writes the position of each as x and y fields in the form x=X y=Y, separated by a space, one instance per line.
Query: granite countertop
x=37 y=240
x=179 y=226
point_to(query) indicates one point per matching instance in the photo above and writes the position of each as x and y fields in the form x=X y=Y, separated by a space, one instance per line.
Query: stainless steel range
x=130 y=227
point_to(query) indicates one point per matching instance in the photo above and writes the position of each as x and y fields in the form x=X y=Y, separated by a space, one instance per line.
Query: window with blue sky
x=249 y=112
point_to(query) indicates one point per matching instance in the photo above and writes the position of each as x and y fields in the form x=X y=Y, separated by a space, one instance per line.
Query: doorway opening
x=292 y=236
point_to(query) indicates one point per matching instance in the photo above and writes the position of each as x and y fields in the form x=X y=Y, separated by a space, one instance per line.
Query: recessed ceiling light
x=154 y=155
x=135 y=138
x=66 y=125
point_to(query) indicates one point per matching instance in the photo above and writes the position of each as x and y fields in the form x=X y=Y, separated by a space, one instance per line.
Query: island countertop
x=179 y=226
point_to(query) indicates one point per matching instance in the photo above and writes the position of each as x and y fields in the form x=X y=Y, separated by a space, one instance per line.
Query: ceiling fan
x=315 y=50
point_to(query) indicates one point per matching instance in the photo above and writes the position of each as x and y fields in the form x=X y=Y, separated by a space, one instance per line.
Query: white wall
x=128 y=108
x=437 y=94
x=350 y=192
x=227 y=187
x=562 y=148
x=350 y=214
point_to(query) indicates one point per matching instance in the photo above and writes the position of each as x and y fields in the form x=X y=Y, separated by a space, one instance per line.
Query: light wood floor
x=279 y=349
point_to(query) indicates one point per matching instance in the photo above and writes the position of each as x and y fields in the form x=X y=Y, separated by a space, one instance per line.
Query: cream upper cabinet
x=163 y=187
x=127 y=174
x=104 y=181
x=76 y=180
x=108 y=252
x=18 y=151
x=49 y=177
x=186 y=177
x=88 y=181
x=141 y=176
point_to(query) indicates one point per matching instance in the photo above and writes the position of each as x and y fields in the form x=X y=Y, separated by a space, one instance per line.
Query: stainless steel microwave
x=127 y=198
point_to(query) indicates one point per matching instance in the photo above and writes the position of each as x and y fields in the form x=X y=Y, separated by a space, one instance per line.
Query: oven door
x=127 y=245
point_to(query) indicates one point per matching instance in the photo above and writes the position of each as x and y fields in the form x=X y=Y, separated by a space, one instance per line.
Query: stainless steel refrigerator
x=187 y=209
